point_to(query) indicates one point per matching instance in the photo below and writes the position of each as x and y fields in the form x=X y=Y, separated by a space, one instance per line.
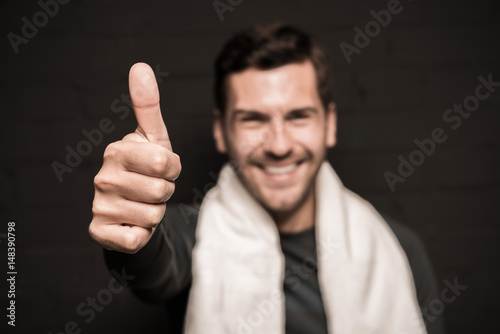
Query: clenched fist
x=137 y=174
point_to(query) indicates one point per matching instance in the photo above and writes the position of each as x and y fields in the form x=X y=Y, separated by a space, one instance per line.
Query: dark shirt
x=162 y=271
x=304 y=312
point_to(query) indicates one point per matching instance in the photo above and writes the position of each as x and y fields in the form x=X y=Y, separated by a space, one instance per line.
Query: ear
x=218 y=132
x=331 y=125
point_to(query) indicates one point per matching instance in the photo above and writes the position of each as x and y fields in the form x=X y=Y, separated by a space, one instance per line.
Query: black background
x=65 y=79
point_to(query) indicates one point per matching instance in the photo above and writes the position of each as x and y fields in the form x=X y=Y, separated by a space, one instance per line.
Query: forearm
x=162 y=268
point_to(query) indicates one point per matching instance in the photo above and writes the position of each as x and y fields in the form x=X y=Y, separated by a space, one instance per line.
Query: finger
x=139 y=187
x=125 y=239
x=146 y=101
x=145 y=158
x=118 y=210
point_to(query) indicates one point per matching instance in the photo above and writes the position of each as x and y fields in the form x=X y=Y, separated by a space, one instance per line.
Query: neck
x=299 y=219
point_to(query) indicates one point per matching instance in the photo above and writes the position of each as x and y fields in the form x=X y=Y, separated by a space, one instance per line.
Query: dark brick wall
x=396 y=90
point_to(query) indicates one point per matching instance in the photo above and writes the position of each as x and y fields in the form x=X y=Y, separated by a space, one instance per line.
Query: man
x=281 y=245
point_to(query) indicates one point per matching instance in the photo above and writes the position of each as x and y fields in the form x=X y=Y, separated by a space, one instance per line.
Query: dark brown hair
x=266 y=47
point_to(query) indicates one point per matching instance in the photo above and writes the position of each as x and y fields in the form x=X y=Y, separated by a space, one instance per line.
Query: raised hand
x=137 y=174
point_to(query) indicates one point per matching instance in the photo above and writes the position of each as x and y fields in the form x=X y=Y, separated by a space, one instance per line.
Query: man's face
x=276 y=132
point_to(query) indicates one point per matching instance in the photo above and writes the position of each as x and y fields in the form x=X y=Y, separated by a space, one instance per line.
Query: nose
x=277 y=142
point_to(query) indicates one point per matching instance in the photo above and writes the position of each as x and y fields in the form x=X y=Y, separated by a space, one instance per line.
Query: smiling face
x=276 y=131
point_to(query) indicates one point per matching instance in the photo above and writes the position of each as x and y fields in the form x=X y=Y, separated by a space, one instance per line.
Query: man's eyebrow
x=301 y=110
x=245 y=111
x=237 y=112
x=256 y=113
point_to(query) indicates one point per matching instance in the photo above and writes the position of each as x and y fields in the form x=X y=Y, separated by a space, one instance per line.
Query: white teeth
x=280 y=170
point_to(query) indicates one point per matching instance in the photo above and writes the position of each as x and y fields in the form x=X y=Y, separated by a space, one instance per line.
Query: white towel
x=238 y=265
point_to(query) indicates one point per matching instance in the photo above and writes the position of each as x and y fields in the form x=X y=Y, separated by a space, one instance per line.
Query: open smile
x=282 y=170
x=277 y=170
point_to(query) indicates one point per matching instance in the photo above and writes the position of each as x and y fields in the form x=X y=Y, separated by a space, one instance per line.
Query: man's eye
x=297 y=116
x=251 y=119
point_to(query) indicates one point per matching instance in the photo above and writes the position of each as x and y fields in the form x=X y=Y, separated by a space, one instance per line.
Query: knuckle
x=155 y=215
x=159 y=190
x=177 y=165
x=170 y=191
x=131 y=242
x=130 y=137
x=98 y=207
x=159 y=162
x=102 y=182
x=94 y=232
x=112 y=151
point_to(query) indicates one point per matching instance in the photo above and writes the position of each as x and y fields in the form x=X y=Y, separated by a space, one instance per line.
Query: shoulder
x=414 y=248
x=418 y=258
x=410 y=241
x=426 y=284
